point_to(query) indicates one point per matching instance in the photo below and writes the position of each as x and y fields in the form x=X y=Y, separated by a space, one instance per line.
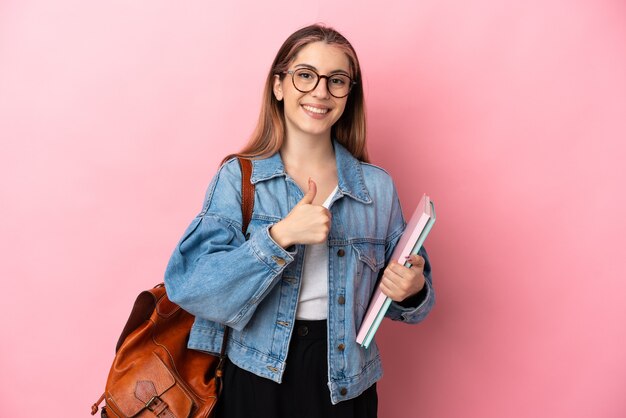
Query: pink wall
x=114 y=115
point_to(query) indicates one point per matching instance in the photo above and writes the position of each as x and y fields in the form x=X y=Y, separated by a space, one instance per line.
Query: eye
x=338 y=80
x=306 y=75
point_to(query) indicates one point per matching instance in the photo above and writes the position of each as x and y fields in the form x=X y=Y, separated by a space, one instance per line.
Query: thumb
x=416 y=260
x=310 y=194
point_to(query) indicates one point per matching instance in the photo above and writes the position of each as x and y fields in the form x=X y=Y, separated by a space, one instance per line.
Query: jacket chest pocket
x=371 y=254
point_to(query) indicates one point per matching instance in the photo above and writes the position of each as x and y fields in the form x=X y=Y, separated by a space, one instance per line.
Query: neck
x=307 y=150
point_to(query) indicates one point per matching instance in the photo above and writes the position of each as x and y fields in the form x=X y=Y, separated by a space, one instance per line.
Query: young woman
x=294 y=288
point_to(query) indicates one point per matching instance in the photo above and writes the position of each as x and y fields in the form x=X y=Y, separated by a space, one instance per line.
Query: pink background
x=511 y=115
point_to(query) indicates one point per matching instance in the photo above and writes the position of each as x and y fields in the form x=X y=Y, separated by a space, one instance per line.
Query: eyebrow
x=311 y=67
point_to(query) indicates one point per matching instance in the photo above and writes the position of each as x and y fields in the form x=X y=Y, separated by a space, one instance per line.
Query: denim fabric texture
x=251 y=284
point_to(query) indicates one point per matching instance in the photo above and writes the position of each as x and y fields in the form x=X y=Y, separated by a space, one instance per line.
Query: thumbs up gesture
x=309 y=196
x=305 y=224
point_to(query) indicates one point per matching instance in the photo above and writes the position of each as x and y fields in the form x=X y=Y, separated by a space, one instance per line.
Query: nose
x=321 y=90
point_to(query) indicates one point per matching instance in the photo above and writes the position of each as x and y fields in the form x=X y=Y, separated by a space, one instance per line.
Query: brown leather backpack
x=154 y=374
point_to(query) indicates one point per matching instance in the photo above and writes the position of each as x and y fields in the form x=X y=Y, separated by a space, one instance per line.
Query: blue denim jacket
x=252 y=285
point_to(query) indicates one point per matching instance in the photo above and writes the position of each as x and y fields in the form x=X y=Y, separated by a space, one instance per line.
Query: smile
x=315 y=109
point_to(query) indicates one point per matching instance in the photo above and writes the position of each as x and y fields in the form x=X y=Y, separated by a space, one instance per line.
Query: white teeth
x=315 y=109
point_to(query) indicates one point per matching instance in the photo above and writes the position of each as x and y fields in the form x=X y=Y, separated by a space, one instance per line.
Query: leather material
x=154 y=374
x=247 y=198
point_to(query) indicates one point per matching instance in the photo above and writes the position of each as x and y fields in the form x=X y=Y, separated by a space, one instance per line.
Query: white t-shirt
x=313 y=300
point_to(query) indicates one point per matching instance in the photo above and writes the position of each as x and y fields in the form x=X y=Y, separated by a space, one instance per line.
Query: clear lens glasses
x=306 y=80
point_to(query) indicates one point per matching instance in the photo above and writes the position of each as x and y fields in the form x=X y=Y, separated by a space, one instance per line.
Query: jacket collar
x=349 y=172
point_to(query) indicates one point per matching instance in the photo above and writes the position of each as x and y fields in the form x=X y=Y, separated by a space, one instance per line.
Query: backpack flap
x=149 y=392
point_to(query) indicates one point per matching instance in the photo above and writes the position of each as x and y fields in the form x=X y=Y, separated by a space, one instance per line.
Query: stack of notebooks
x=410 y=243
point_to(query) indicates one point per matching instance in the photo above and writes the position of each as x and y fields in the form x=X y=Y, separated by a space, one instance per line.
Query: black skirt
x=304 y=392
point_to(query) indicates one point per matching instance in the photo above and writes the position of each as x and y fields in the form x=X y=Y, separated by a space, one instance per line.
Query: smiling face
x=313 y=113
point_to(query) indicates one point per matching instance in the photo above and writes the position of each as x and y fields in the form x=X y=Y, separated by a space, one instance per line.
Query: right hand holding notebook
x=400 y=282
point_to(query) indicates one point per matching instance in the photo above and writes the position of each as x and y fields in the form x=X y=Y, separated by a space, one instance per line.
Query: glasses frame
x=319 y=77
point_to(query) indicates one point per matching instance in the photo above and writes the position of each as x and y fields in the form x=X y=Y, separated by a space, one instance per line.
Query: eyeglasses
x=306 y=80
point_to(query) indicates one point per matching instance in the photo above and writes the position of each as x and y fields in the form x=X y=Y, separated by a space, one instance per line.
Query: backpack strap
x=247 y=204
x=247 y=192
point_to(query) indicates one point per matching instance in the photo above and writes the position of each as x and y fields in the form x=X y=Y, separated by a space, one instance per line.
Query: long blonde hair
x=349 y=130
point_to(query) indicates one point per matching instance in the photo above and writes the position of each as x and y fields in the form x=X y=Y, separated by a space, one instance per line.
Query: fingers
x=309 y=196
x=416 y=261
x=399 y=282
x=318 y=227
x=322 y=232
x=306 y=223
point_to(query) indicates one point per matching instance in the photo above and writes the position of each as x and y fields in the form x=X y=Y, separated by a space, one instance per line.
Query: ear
x=278 y=88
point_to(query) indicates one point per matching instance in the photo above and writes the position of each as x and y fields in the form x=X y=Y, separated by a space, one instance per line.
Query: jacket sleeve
x=214 y=272
x=421 y=304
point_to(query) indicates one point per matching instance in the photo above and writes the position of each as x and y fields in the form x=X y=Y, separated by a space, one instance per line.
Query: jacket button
x=278 y=260
x=341 y=300
x=343 y=391
x=341 y=252
x=341 y=347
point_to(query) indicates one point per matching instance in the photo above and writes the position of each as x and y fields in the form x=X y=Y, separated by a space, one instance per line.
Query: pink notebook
x=410 y=242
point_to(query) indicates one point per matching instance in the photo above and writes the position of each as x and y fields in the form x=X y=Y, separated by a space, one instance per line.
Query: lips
x=315 y=109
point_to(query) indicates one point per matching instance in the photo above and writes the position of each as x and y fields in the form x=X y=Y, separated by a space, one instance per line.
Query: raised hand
x=305 y=224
